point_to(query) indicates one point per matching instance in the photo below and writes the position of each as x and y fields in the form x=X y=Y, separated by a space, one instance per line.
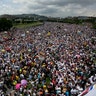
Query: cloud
x=66 y=2
x=58 y=8
x=19 y=1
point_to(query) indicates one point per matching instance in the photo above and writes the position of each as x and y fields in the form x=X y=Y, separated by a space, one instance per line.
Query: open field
x=27 y=25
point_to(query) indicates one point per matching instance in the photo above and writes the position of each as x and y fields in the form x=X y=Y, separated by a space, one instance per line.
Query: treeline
x=72 y=20
x=66 y=20
x=23 y=20
x=75 y=20
x=5 y=24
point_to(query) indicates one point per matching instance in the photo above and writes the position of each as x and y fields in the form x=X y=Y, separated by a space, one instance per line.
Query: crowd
x=53 y=59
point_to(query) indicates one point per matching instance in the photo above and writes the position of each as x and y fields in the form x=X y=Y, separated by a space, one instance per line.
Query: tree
x=5 y=24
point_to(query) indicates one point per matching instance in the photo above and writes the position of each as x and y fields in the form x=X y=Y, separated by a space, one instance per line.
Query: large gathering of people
x=53 y=59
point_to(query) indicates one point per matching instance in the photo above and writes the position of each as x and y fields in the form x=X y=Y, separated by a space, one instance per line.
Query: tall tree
x=5 y=24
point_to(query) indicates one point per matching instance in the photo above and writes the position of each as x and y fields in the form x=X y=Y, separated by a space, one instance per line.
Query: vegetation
x=24 y=25
x=94 y=25
x=5 y=24
x=28 y=20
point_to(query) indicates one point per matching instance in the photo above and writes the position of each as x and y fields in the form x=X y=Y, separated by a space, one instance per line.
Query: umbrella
x=23 y=82
x=18 y=85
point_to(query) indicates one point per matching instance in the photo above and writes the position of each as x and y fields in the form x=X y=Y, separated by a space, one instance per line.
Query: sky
x=54 y=8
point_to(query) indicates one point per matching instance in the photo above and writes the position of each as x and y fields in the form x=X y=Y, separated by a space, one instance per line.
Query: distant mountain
x=7 y=16
x=21 y=16
x=35 y=17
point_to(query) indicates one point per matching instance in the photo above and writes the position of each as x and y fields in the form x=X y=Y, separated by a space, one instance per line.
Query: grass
x=20 y=25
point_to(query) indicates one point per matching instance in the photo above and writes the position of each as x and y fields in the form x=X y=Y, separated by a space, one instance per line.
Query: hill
x=24 y=16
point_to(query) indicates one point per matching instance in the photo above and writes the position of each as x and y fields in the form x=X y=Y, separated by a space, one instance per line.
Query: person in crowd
x=56 y=59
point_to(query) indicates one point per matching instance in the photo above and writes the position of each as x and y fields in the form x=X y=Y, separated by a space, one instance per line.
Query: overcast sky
x=55 y=8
